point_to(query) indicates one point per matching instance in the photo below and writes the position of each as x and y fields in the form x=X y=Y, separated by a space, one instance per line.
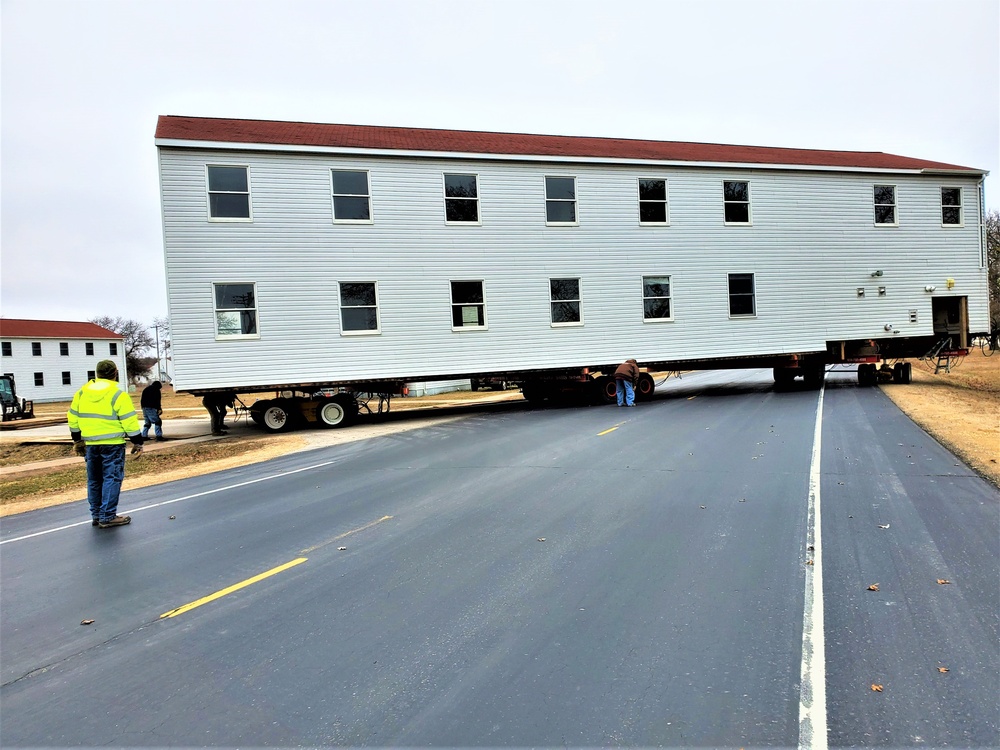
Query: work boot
x=116 y=521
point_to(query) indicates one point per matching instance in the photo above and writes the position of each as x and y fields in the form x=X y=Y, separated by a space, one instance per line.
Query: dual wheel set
x=281 y=414
x=869 y=374
x=600 y=390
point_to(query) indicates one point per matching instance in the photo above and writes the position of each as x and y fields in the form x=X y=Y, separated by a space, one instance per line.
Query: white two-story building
x=51 y=359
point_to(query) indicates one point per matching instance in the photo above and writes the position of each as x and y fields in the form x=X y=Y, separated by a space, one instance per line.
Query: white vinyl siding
x=812 y=244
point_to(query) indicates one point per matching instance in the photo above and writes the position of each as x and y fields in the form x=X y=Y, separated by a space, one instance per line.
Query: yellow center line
x=337 y=538
x=607 y=431
x=231 y=589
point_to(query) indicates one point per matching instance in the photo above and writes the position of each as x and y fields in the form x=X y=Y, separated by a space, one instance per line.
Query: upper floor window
x=742 y=302
x=113 y=349
x=8 y=350
x=560 y=200
x=468 y=304
x=653 y=207
x=228 y=193
x=656 y=298
x=736 y=202
x=235 y=310
x=63 y=348
x=36 y=348
x=90 y=348
x=564 y=298
x=951 y=207
x=358 y=307
x=461 y=199
x=351 y=197
x=885 y=205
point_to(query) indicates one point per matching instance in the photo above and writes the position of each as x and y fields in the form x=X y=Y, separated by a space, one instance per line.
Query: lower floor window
x=564 y=295
x=468 y=304
x=656 y=297
x=91 y=374
x=741 y=295
x=66 y=378
x=235 y=310
x=39 y=379
x=358 y=307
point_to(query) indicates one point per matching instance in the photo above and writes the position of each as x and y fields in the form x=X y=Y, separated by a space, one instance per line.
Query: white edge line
x=812 y=685
x=175 y=500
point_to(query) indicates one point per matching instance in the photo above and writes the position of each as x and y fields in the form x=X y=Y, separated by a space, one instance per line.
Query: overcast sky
x=84 y=80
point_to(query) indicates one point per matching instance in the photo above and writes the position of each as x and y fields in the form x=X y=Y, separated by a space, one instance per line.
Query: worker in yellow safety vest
x=100 y=418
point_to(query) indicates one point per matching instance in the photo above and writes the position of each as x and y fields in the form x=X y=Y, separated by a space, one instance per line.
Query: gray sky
x=84 y=80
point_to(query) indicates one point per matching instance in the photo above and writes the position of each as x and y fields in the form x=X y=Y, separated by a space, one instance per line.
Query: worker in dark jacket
x=216 y=404
x=152 y=407
x=626 y=378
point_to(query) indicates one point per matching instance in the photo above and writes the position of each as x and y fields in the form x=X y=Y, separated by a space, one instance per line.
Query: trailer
x=328 y=265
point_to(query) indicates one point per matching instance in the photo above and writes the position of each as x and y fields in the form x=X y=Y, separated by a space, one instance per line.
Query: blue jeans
x=105 y=473
x=152 y=418
x=626 y=395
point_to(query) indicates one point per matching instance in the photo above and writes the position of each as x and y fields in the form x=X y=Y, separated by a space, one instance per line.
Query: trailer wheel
x=644 y=387
x=814 y=376
x=605 y=390
x=276 y=417
x=906 y=375
x=338 y=411
x=867 y=375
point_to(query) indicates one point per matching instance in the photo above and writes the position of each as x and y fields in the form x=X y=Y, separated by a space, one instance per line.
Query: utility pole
x=156 y=327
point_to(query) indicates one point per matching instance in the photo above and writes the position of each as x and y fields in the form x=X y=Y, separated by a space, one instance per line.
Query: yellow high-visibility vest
x=102 y=413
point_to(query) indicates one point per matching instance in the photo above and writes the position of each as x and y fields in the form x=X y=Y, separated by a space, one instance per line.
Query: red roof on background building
x=53 y=329
x=219 y=130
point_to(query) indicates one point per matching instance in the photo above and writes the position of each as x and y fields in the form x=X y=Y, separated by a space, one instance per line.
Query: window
x=36 y=348
x=39 y=379
x=228 y=193
x=358 y=307
x=951 y=207
x=656 y=298
x=560 y=200
x=885 y=205
x=66 y=378
x=63 y=348
x=736 y=202
x=741 y=295
x=564 y=297
x=653 y=202
x=113 y=349
x=235 y=310
x=7 y=350
x=468 y=304
x=91 y=374
x=351 y=199
x=461 y=199
x=90 y=349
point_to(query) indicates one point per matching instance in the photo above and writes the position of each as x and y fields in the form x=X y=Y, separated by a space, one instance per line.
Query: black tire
x=338 y=411
x=276 y=417
x=784 y=377
x=645 y=387
x=867 y=375
x=897 y=372
x=605 y=390
x=814 y=375
x=906 y=375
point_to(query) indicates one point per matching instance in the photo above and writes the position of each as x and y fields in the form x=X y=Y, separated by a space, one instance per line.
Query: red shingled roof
x=220 y=130
x=53 y=329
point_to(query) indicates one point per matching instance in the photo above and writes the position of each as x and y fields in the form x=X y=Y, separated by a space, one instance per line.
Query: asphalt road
x=524 y=577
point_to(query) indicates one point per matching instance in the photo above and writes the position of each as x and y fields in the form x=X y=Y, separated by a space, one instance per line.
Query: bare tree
x=162 y=328
x=993 y=264
x=137 y=342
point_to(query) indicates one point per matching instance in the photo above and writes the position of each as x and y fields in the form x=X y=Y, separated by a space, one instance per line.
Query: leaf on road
x=873 y=587
x=87 y=622
x=943 y=580
x=876 y=688
x=702 y=507
x=942 y=670
x=811 y=548
x=342 y=549
x=883 y=526
x=541 y=538
x=809 y=562
x=173 y=517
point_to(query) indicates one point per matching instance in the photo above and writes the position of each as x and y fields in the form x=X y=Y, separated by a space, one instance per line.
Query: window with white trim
x=653 y=204
x=468 y=304
x=352 y=202
x=359 y=307
x=885 y=205
x=235 y=310
x=461 y=199
x=951 y=207
x=8 y=350
x=742 y=296
x=560 y=200
x=89 y=346
x=67 y=379
x=63 y=348
x=39 y=379
x=656 y=298
x=91 y=374
x=36 y=348
x=228 y=192
x=565 y=302
x=736 y=201
x=113 y=349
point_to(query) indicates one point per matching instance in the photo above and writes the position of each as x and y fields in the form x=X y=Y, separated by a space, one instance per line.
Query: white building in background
x=51 y=359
